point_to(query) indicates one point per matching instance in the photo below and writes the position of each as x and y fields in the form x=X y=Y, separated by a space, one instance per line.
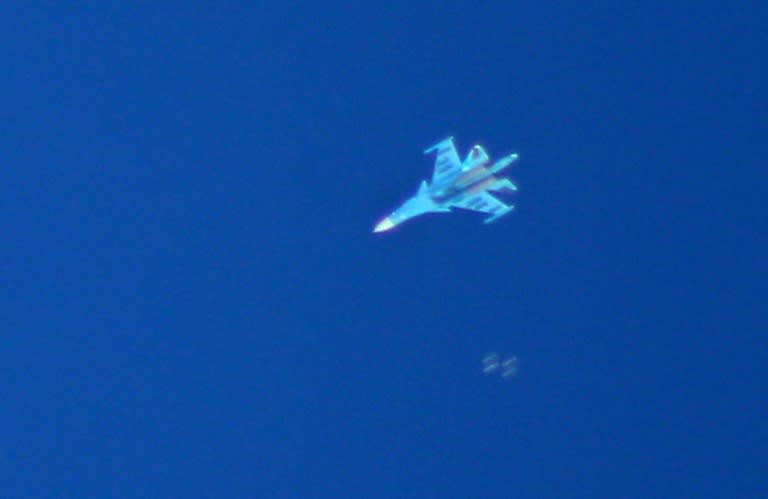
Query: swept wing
x=447 y=162
x=484 y=202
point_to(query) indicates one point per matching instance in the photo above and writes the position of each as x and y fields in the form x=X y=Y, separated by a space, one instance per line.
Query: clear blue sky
x=192 y=303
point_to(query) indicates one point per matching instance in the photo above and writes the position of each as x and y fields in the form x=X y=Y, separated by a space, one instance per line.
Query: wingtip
x=438 y=145
x=498 y=215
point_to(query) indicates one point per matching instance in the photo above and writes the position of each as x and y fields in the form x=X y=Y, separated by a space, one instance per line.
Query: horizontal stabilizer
x=503 y=185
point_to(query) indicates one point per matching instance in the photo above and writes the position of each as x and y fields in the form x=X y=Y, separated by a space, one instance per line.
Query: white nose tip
x=385 y=224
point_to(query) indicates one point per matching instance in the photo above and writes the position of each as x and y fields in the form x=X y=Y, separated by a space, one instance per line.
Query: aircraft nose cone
x=385 y=224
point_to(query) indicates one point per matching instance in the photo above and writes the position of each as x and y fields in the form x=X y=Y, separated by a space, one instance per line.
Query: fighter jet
x=454 y=183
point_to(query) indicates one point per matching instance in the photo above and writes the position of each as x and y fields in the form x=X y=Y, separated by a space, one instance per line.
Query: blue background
x=192 y=303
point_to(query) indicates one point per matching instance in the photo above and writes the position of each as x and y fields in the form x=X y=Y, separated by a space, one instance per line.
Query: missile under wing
x=469 y=184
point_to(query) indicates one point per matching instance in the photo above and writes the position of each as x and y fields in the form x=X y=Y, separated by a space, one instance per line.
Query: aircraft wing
x=484 y=202
x=447 y=162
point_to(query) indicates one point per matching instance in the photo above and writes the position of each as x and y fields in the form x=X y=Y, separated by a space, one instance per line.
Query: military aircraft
x=466 y=185
x=508 y=368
